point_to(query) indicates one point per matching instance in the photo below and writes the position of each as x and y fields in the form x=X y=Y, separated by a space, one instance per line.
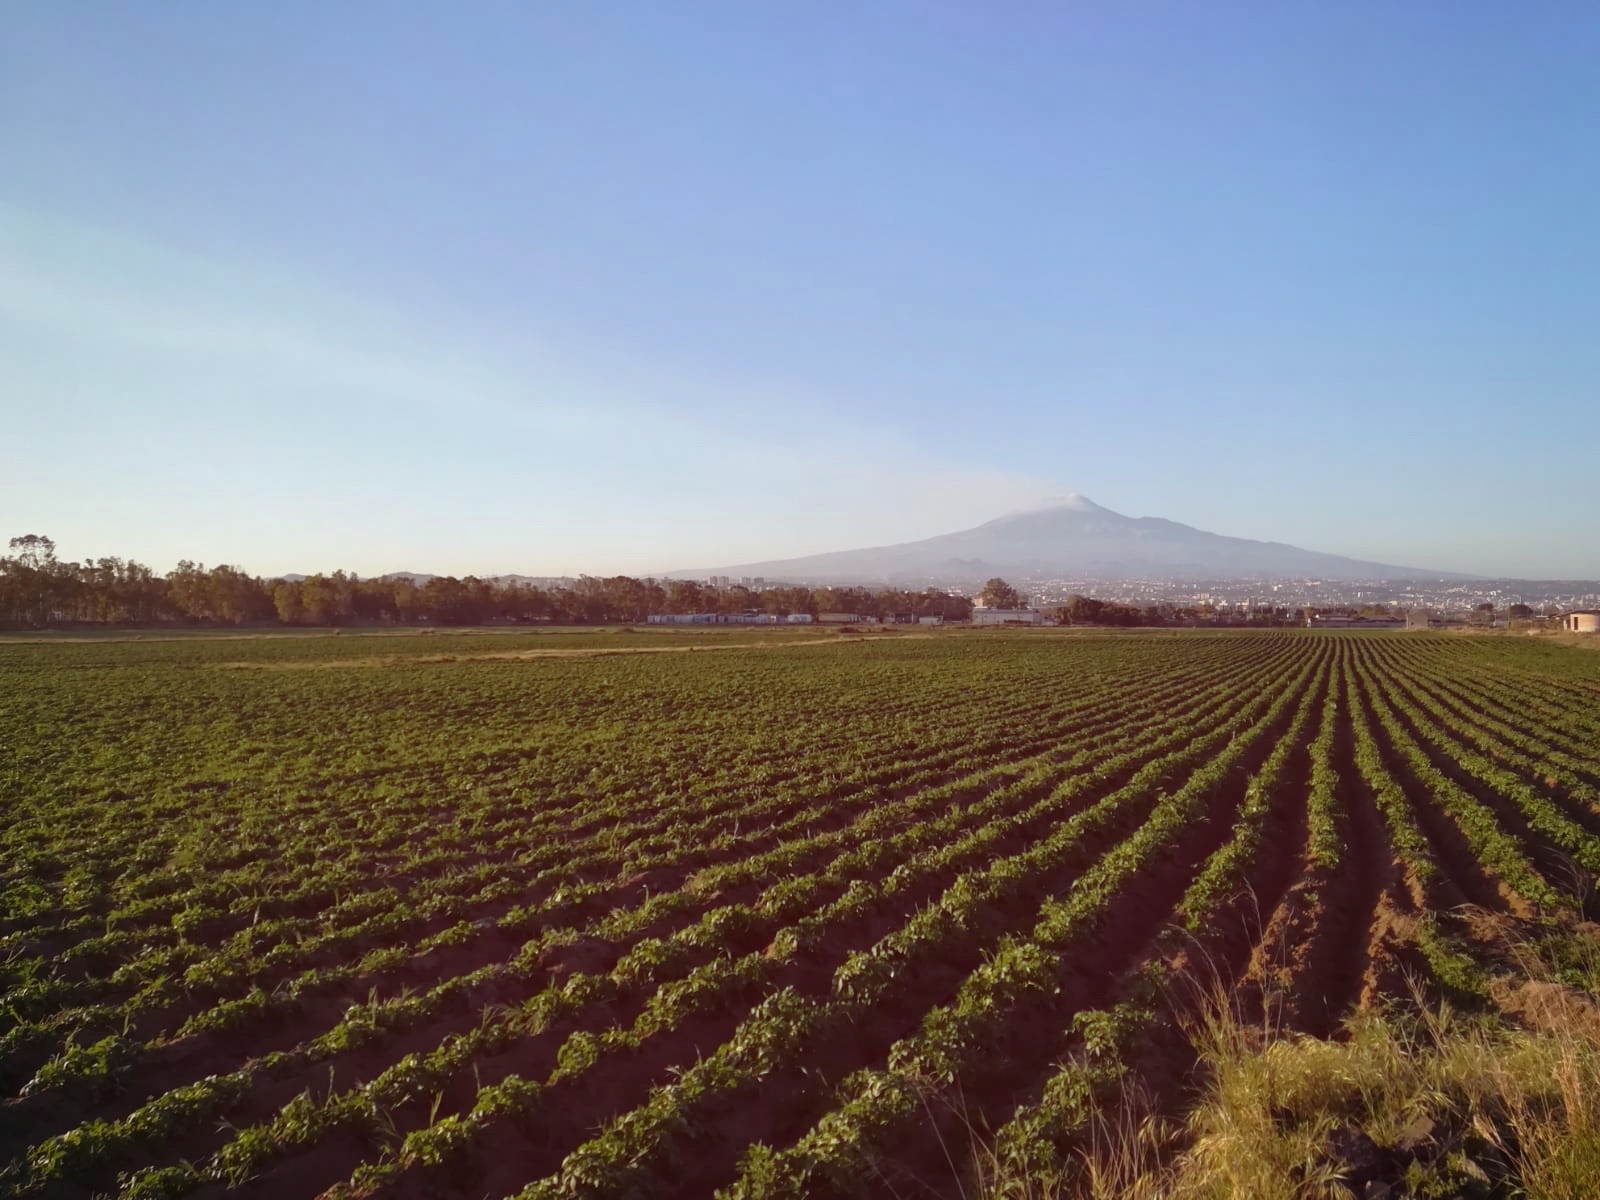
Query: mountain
x=1072 y=538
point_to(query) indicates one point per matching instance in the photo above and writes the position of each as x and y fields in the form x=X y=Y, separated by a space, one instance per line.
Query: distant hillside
x=1074 y=537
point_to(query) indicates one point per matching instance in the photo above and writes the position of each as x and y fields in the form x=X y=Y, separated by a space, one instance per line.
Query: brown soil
x=1296 y=945
x=1318 y=947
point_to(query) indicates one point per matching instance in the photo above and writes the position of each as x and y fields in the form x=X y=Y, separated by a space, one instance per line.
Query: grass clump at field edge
x=1430 y=1103
x=1411 y=1101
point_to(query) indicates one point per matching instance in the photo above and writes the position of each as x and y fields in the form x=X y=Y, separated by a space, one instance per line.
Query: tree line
x=38 y=589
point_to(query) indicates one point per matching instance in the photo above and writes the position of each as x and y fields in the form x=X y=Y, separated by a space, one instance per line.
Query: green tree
x=627 y=599
x=1082 y=610
x=327 y=598
x=997 y=593
x=235 y=597
x=688 y=596
x=189 y=589
x=286 y=601
x=34 y=552
x=407 y=599
x=736 y=598
x=32 y=579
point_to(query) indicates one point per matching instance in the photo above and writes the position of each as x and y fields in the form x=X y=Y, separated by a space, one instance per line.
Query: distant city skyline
x=552 y=291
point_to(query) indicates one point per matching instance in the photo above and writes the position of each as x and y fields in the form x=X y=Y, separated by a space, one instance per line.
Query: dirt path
x=396 y=660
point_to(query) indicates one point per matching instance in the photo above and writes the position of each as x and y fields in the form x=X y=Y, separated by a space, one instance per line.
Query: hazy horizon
x=1420 y=571
x=552 y=292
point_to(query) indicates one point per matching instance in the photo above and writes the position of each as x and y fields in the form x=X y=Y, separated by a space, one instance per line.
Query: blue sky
x=624 y=287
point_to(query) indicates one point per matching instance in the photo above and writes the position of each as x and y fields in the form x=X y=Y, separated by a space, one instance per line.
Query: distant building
x=1581 y=622
x=838 y=618
x=1418 y=618
x=1319 y=621
x=930 y=620
x=744 y=618
x=799 y=618
x=1007 y=616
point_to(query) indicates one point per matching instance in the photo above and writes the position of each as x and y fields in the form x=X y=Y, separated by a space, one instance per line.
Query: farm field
x=541 y=915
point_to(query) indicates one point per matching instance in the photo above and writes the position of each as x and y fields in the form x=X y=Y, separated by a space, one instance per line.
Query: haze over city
x=612 y=290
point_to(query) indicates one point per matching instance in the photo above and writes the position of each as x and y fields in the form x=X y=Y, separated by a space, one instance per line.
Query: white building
x=1006 y=616
x=1581 y=622
x=744 y=618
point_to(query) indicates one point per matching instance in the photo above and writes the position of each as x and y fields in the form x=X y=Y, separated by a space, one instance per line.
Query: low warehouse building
x=1581 y=622
x=1006 y=616
x=744 y=618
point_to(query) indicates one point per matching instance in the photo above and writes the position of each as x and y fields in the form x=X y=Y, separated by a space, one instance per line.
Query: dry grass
x=1419 y=1100
x=1447 y=1102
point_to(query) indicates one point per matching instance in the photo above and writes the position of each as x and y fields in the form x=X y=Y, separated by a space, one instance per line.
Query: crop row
x=773 y=924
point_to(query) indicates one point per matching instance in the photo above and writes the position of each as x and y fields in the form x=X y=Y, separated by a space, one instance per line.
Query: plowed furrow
x=1327 y=930
x=1468 y=878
